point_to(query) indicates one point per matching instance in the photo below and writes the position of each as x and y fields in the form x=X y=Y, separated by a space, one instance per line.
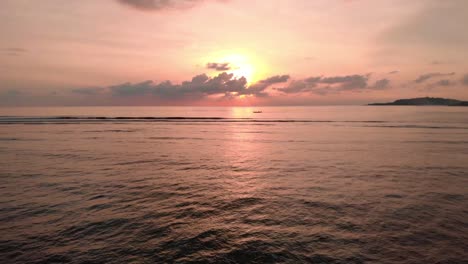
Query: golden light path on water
x=342 y=184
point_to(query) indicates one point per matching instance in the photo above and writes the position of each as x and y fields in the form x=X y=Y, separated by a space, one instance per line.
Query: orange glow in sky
x=290 y=52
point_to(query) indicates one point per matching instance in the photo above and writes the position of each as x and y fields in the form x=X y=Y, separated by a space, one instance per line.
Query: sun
x=241 y=63
x=240 y=66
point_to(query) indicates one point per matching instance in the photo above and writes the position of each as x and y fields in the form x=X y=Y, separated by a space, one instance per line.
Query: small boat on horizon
x=257 y=112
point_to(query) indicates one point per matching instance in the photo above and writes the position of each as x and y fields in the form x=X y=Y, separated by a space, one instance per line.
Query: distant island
x=426 y=101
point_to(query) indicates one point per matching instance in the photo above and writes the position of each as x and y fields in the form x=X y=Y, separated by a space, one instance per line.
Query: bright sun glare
x=240 y=66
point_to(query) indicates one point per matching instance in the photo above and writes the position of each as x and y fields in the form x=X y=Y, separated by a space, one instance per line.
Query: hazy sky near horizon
x=231 y=52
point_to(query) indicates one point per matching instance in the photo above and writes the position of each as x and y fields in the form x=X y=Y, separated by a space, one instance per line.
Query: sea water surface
x=354 y=184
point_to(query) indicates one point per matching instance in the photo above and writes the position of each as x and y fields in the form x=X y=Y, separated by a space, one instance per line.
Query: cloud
x=11 y=97
x=394 y=72
x=381 y=84
x=218 y=66
x=200 y=86
x=427 y=76
x=159 y=5
x=444 y=82
x=11 y=93
x=258 y=89
x=313 y=80
x=14 y=51
x=88 y=91
x=298 y=86
x=324 y=85
x=129 y=89
x=348 y=82
x=440 y=83
x=437 y=62
x=275 y=79
x=464 y=80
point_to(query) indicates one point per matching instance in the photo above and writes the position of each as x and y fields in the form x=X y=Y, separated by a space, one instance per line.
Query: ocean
x=334 y=184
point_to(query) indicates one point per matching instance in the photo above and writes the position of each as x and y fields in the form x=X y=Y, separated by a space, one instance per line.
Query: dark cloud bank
x=335 y=84
x=225 y=86
x=199 y=87
x=228 y=86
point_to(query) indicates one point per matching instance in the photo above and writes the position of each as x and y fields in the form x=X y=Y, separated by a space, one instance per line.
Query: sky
x=231 y=52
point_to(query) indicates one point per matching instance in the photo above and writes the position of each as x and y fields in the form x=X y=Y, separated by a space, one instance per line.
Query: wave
x=15 y=119
x=62 y=120
x=420 y=126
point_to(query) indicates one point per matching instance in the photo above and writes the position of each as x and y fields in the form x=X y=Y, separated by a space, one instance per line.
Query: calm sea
x=224 y=185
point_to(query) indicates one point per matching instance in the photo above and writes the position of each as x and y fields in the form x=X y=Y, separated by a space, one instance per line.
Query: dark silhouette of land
x=426 y=101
